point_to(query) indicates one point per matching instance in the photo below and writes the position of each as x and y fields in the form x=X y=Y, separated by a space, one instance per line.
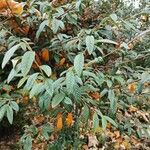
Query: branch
x=139 y=36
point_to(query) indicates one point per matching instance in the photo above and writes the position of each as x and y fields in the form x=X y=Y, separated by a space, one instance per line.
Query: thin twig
x=139 y=36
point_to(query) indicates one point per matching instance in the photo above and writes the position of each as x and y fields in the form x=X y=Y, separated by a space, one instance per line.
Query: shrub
x=74 y=63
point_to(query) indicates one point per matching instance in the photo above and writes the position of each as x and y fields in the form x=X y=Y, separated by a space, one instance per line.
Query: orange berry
x=132 y=87
x=59 y=123
x=45 y=55
x=25 y=100
x=69 y=119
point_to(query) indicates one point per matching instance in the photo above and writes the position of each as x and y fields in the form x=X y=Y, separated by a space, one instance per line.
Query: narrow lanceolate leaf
x=11 y=75
x=70 y=80
x=57 y=83
x=2 y=112
x=95 y=121
x=90 y=43
x=44 y=101
x=41 y=28
x=68 y=101
x=104 y=122
x=27 y=61
x=30 y=81
x=79 y=63
x=49 y=86
x=85 y=114
x=14 y=106
x=9 y=54
x=47 y=69
x=56 y=24
x=22 y=81
x=28 y=143
x=107 y=41
x=37 y=88
x=113 y=101
x=111 y=121
x=10 y=114
x=57 y=99
x=77 y=92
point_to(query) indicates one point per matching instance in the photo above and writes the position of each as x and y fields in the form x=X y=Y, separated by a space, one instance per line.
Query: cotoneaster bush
x=74 y=64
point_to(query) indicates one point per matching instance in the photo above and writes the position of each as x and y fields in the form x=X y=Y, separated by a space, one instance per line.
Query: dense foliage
x=79 y=69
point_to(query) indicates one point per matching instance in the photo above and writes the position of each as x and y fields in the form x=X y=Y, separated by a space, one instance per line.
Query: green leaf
x=14 y=72
x=145 y=77
x=56 y=24
x=2 y=111
x=78 y=80
x=114 y=17
x=95 y=121
x=70 y=80
x=111 y=121
x=77 y=92
x=109 y=83
x=2 y=102
x=36 y=89
x=113 y=101
x=129 y=26
x=140 y=87
x=31 y=80
x=104 y=92
x=14 y=106
x=79 y=63
x=107 y=41
x=49 y=86
x=68 y=101
x=44 y=101
x=9 y=112
x=104 y=122
x=85 y=114
x=46 y=130
x=9 y=54
x=27 y=61
x=111 y=95
x=41 y=28
x=120 y=79
x=57 y=99
x=90 y=44
x=78 y=4
x=47 y=69
x=23 y=46
x=11 y=75
x=57 y=83
x=22 y=81
x=27 y=145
